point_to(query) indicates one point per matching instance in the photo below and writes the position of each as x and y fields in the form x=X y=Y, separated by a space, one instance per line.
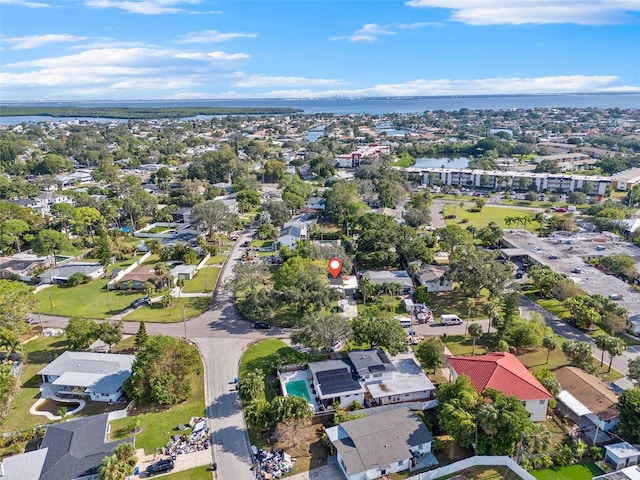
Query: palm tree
x=491 y=310
x=488 y=418
x=508 y=221
x=550 y=342
x=525 y=221
x=469 y=302
x=475 y=330
x=539 y=217
x=111 y=469
x=10 y=340
x=615 y=347
x=366 y=289
x=601 y=342
x=161 y=270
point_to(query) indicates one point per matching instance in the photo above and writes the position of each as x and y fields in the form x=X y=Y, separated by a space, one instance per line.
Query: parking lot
x=568 y=253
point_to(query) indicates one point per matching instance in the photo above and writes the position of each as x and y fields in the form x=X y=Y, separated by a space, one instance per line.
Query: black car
x=161 y=466
x=262 y=325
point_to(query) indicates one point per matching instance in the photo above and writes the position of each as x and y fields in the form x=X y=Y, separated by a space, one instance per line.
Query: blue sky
x=184 y=49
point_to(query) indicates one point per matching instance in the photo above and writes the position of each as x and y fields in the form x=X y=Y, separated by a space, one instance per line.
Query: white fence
x=415 y=406
x=118 y=414
x=478 y=460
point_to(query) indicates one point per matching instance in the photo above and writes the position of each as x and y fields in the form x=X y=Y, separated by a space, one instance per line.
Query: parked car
x=262 y=325
x=140 y=301
x=553 y=257
x=161 y=466
x=450 y=319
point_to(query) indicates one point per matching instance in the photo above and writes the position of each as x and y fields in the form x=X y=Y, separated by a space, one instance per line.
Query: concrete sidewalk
x=326 y=472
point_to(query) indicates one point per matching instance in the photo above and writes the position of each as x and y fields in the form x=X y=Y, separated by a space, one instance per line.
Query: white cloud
x=35 y=41
x=144 y=7
x=495 y=12
x=219 y=55
x=371 y=32
x=212 y=36
x=25 y=3
x=266 y=81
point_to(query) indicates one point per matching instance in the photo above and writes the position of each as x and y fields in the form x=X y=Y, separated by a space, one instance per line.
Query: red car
x=560 y=210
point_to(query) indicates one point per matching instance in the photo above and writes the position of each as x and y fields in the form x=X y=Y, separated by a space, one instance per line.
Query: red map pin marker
x=335 y=265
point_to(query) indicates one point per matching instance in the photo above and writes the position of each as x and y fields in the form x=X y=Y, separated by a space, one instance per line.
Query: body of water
x=371 y=106
x=459 y=162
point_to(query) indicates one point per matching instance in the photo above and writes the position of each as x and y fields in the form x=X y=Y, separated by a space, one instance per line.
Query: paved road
x=222 y=336
x=565 y=330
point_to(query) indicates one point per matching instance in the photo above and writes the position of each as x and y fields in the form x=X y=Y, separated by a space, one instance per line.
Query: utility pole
x=184 y=320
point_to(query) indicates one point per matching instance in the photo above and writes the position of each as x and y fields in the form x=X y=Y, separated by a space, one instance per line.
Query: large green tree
x=50 y=242
x=476 y=269
x=380 y=330
x=458 y=402
x=321 y=331
x=629 y=417
x=81 y=332
x=430 y=353
x=213 y=216
x=16 y=301
x=163 y=371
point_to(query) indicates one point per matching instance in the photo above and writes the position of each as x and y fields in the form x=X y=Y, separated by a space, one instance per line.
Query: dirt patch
x=303 y=442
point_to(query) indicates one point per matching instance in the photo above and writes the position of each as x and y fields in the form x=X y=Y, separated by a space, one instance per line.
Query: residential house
x=633 y=326
x=380 y=444
x=74 y=449
x=629 y=473
x=315 y=203
x=391 y=212
x=388 y=277
x=23 y=265
x=621 y=455
x=25 y=466
x=390 y=381
x=504 y=372
x=293 y=231
x=587 y=400
x=433 y=279
x=61 y=274
x=336 y=381
x=136 y=278
x=181 y=215
x=97 y=375
x=186 y=272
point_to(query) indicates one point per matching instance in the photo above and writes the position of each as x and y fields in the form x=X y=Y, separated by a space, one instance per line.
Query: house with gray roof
x=98 y=375
x=62 y=273
x=26 y=466
x=388 y=277
x=76 y=448
x=380 y=444
x=335 y=381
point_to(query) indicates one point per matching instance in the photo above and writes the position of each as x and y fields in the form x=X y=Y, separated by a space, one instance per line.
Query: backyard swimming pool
x=298 y=389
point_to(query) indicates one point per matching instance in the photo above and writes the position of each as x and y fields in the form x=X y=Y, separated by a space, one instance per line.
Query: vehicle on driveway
x=141 y=301
x=161 y=466
x=262 y=325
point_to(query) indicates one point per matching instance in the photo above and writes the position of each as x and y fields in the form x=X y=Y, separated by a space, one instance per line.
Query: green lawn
x=266 y=356
x=453 y=302
x=90 y=300
x=487 y=215
x=198 y=473
x=39 y=351
x=216 y=259
x=158 y=424
x=157 y=313
x=584 y=471
x=204 y=281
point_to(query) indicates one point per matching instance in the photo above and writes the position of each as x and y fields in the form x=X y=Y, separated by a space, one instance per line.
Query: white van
x=450 y=319
x=404 y=321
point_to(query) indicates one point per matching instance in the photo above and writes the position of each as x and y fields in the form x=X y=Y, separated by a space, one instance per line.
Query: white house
x=335 y=381
x=380 y=444
x=97 y=375
x=293 y=231
x=62 y=273
x=504 y=372
x=388 y=277
x=433 y=279
x=621 y=455
x=316 y=203
x=633 y=326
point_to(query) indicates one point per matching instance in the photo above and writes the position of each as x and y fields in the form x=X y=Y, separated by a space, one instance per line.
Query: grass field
x=90 y=300
x=158 y=424
x=487 y=215
x=194 y=306
x=203 y=282
x=585 y=471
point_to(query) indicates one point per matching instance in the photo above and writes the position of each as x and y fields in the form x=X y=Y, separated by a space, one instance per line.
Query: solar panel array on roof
x=377 y=368
x=383 y=356
x=336 y=381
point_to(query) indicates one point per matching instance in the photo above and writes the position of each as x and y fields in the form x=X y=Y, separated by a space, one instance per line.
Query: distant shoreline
x=139 y=113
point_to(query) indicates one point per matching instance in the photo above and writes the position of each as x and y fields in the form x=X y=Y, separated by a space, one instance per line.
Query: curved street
x=222 y=336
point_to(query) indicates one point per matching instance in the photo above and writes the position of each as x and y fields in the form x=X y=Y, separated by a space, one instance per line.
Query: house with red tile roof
x=504 y=372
